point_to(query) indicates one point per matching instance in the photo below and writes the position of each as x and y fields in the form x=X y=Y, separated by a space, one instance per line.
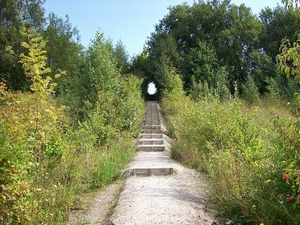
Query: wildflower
x=254 y=206
x=261 y=224
x=4 y=198
x=287 y=198
x=269 y=181
x=285 y=176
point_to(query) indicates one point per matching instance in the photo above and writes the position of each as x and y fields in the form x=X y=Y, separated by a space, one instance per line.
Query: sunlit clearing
x=151 y=88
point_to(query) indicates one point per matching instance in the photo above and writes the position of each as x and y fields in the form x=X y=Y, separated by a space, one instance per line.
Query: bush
x=45 y=157
x=250 y=91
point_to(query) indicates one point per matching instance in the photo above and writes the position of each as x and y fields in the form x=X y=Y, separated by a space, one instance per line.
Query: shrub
x=44 y=159
x=250 y=91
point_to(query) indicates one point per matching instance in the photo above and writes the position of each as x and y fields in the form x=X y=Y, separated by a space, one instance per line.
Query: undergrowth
x=251 y=154
x=47 y=156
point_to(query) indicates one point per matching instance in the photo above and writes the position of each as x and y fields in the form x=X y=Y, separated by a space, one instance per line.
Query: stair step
x=151 y=148
x=152 y=131
x=151 y=136
x=152 y=122
x=148 y=172
x=153 y=127
x=151 y=142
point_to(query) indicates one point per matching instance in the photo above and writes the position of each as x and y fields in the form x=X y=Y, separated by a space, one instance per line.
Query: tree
x=237 y=39
x=289 y=57
x=140 y=64
x=202 y=64
x=10 y=70
x=278 y=23
x=163 y=57
x=260 y=67
x=42 y=86
x=98 y=76
x=291 y=3
x=250 y=91
x=64 y=52
x=121 y=57
x=140 y=68
x=12 y=12
x=231 y=30
x=32 y=12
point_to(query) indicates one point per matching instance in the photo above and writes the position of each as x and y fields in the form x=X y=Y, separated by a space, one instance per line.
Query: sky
x=128 y=21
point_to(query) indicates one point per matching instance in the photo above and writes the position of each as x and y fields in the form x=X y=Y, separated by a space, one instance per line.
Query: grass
x=244 y=150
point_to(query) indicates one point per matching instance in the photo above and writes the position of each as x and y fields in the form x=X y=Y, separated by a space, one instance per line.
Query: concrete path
x=157 y=189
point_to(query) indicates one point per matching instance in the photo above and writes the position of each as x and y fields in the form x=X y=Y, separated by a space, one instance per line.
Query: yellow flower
x=261 y=224
x=269 y=181
x=254 y=206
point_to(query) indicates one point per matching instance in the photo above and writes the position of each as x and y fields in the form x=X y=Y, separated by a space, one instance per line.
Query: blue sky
x=130 y=21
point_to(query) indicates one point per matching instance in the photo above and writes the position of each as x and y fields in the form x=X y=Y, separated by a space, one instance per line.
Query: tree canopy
x=207 y=37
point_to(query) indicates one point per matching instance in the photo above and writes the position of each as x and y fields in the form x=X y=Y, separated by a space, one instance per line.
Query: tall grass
x=245 y=150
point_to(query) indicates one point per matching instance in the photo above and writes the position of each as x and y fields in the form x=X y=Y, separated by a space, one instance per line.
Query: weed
x=250 y=154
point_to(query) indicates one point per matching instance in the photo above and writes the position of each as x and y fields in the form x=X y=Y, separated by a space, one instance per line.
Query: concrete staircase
x=158 y=190
x=153 y=154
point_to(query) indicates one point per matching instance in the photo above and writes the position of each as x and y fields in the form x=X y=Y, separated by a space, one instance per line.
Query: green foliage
x=288 y=60
x=200 y=91
x=11 y=15
x=232 y=32
x=121 y=57
x=274 y=94
x=174 y=87
x=251 y=157
x=140 y=64
x=279 y=23
x=261 y=67
x=44 y=159
x=291 y=3
x=250 y=91
x=33 y=123
x=117 y=155
x=204 y=67
x=164 y=57
x=63 y=51
x=220 y=41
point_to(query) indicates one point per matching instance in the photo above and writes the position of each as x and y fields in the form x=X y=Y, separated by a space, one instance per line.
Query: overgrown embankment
x=49 y=152
x=250 y=153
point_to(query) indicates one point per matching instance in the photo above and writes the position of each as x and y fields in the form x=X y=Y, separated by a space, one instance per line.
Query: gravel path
x=174 y=199
x=149 y=194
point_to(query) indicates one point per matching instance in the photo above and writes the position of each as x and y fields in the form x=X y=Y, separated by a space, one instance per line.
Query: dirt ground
x=176 y=199
x=180 y=198
x=96 y=207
